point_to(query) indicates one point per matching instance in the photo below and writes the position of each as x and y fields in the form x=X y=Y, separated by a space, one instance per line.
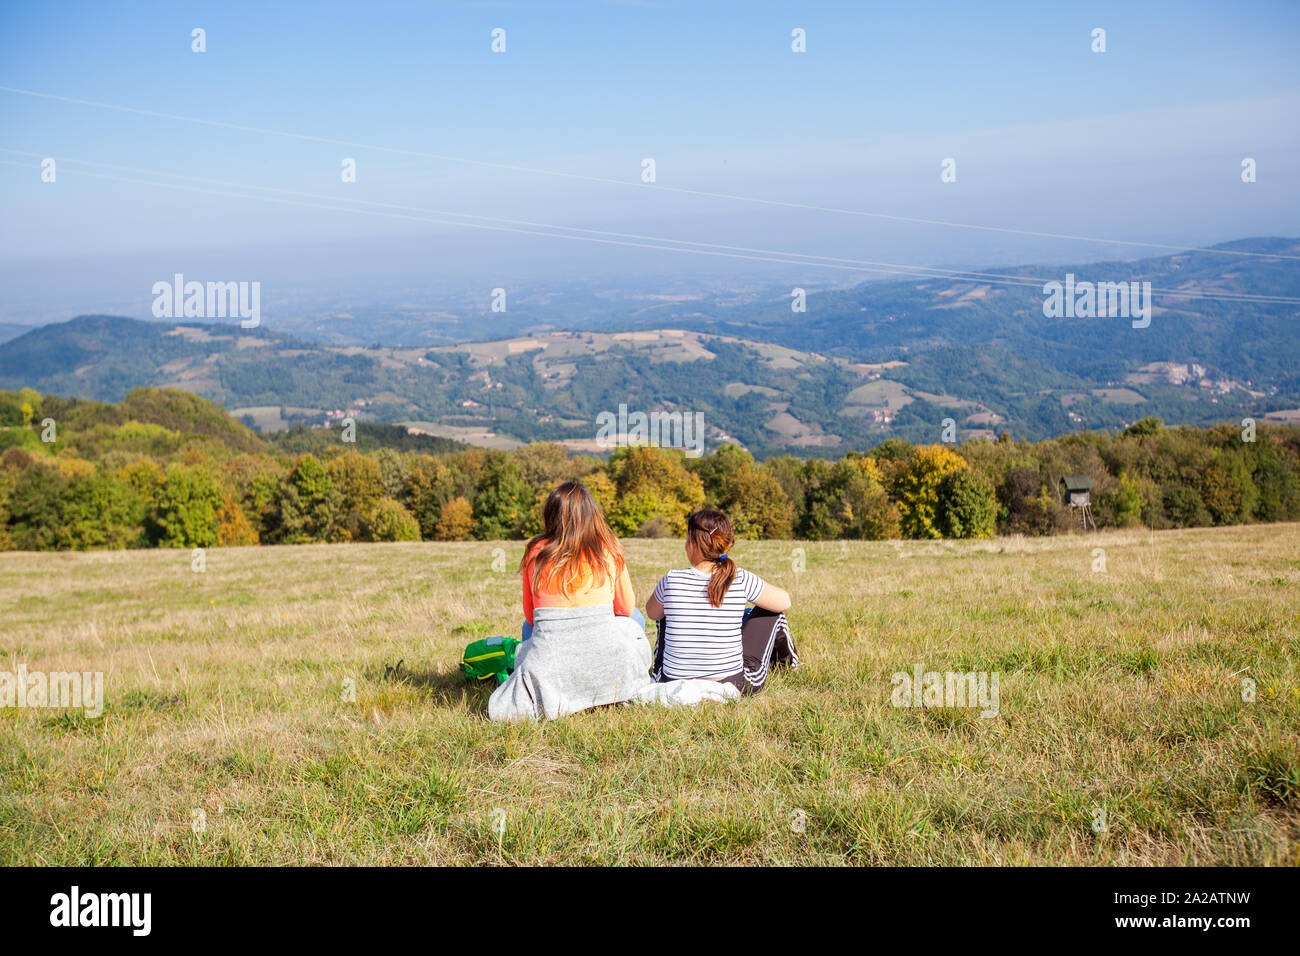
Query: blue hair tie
x=721 y=557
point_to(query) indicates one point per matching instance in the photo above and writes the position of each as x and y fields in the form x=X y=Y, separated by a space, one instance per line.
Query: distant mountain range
x=10 y=330
x=859 y=365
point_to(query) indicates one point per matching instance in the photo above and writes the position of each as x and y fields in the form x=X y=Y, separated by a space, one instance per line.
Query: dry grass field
x=228 y=737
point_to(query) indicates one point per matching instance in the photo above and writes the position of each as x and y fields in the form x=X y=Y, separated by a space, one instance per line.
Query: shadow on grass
x=441 y=688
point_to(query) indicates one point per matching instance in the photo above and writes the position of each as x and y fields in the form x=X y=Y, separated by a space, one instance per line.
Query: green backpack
x=490 y=657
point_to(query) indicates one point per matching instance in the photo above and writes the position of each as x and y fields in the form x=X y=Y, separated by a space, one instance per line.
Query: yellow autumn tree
x=918 y=489
x=455 y=521
x=652 y=483
x=602 y=489
x=233 y=527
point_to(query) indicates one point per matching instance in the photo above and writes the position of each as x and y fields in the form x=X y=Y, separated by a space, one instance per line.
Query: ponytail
x=710 y=532
x=724 y=572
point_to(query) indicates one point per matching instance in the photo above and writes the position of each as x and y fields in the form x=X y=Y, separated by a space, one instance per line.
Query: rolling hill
x=882 y=359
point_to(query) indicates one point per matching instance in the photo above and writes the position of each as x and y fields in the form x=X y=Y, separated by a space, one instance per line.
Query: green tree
x=1227 y=490
x=38 y=510
x=893 y=457
x=429 y=487
x=867 y=512
x=1185 y=508
x=1277 y=477
x=719 y=468
x=394 y=472
x=967 y=506
x=788 y=471
x=360 y=485
x=1028 y=505
x=822 y=499
x=652 y=482
x=631 y=513
x=543 y=465
x=254 y=481
x=1122 y=506
x=1147 y=426
x=756 y=504
x=308 y=506
x=389 y=521
x=184 y=514
x=503 y=501
x=103 y=512
x=30 y=405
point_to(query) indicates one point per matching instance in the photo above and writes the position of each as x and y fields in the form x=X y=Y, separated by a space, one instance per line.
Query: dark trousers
x=765 y=641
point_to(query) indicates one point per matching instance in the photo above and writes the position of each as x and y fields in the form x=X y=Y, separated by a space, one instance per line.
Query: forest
x=166 y=468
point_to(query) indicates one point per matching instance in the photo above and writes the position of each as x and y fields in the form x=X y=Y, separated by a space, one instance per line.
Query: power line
x=904 y=268
x=623 y=182
x=628 y=240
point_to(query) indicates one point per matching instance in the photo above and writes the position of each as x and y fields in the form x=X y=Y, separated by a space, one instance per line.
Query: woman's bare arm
x=773 y=598
x=653 y=609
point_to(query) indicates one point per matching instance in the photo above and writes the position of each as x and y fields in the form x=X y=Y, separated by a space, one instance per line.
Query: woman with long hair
x=705 y=630
x=585 y=643
x=576 y=561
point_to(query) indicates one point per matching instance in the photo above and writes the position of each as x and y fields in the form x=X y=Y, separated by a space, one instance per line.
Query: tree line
x=169 y=469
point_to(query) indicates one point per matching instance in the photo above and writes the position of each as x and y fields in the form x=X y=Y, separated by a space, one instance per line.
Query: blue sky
x=1142 y=142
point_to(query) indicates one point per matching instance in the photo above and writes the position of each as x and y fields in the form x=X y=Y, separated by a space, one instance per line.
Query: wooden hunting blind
x=1078 y=495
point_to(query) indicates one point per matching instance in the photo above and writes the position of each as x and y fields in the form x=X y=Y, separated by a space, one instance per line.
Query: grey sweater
x=578 y=657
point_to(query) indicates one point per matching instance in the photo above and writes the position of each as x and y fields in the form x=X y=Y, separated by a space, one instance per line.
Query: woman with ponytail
x=705 y=630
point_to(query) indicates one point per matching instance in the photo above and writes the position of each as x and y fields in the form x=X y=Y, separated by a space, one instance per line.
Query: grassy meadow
x=226 y=693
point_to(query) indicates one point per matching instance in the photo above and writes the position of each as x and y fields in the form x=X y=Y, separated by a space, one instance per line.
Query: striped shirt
x=701 y=640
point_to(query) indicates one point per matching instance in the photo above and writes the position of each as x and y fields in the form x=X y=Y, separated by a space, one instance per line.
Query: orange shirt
x=582 y=592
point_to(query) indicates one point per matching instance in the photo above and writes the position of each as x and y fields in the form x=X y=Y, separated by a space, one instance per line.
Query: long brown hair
x=710 y=532
x=575 y=540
